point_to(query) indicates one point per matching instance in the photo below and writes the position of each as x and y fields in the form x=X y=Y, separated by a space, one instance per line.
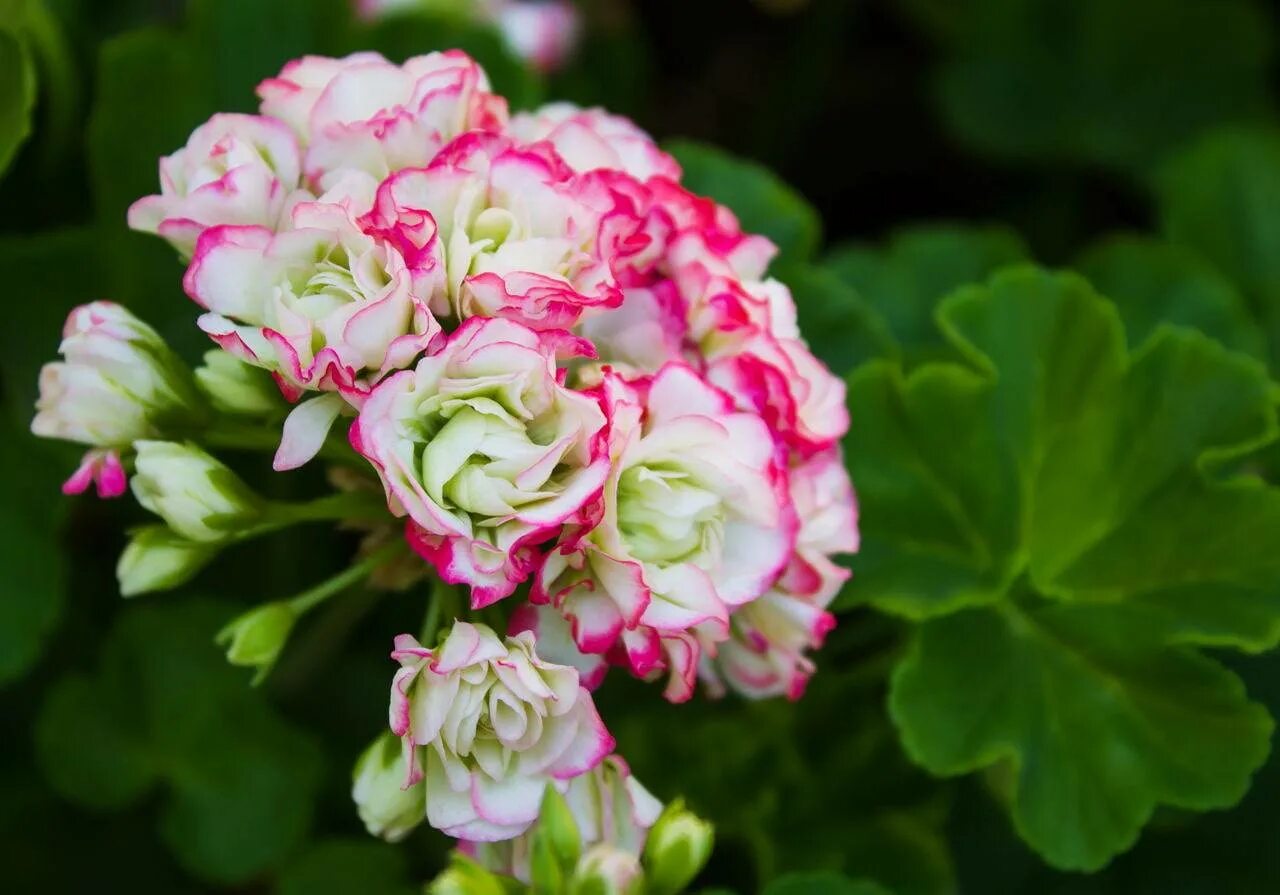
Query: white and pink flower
x=609 y=806
x=767 y=652
x=486 y=451
x=117 y=383
x=235 y=169
x=362 y=113
x=693 y=520
x=323 y=306
x=489 y=725
x=593 y=139
x=514 y=232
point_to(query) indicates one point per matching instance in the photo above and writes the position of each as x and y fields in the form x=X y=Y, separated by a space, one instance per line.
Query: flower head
x=363 y=113
x=235 y=169
x=489 y=725
x=323 y=306
x=514 y=233
x=486 y=451
x=693 y=520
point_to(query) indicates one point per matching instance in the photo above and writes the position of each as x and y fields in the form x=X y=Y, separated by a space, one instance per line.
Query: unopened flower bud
x=388 y=808
x=254 y=640
x=118 y=381
x=199 y=497
x=678 y=846
x=236 y=387
x=607 y=870
x=465 y=877
x=158 y=559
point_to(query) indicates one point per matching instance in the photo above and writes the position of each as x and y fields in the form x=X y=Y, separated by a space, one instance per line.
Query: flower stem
x=309 y=599
x=443 y=604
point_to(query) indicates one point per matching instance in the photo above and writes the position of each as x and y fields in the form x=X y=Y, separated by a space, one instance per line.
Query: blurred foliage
x=1054 y=476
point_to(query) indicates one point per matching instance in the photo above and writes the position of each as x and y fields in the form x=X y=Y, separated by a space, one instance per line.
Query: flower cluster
x=571 y=379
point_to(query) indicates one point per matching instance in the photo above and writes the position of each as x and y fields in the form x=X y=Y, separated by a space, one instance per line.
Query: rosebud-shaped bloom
x=388 y=808
x=235 y=169
x=364 y=113
x=118 y=382
x=158 y=559
x=606 y=870
x=200 y=498
x=255 y=639
x=323 y=305
x=514 y=232
x=235 y=387
x=766 y=652
x=607 y=806
x=677 y=849
x=746 y=332
x=592 y=139
x=489 y=725
x=484 y=449
x=687 y=527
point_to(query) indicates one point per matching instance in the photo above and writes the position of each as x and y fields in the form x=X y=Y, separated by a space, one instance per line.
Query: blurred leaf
x=822 y=884
x=247 y=41
x=1058 y=484
x=30 y=520
x=165 y=707
x=919 y=266
x=1153 y=282
x=839 y=325
x=347 y=867
x=163 y=73
x=1096 y=81
x=762 y=202
x=1221 y=196
x=17 y=94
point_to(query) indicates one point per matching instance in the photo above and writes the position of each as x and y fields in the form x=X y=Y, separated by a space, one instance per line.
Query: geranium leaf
x=1154 y=282
x=1221 y=197
x=1056 y=509
x=1095 y=81
x=165 y=707
x=904 y=280
x=17 y=95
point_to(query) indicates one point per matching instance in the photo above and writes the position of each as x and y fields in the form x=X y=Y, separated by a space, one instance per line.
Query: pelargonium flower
x=693 y=520
x=235 y=169
x=609 y=806
x=366 y=114
x=514 y=232
x=117 y=383
x=746 y=333
x=489 y=725
x=323 y=306
x=593 y=139
x=765 y=654
x=486 y=451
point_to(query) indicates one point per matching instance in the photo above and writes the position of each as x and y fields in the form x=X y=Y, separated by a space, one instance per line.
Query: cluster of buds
x=569 y=387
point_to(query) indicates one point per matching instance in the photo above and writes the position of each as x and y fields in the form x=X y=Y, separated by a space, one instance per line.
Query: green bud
x=158 y=559
x=254 y=640
x=235 y=387
x=677 y=849
x=558 y=826
x=607 y=870
x=546 y=875
x=386 y=807
x=465 y=877
x=198 y=496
